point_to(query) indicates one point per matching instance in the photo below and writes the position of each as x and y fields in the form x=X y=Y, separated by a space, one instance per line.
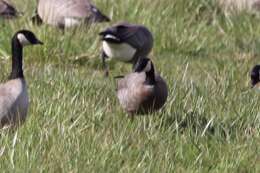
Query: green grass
x=211 y=122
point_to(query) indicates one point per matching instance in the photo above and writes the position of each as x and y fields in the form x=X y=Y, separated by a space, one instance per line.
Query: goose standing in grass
x=13 y=93
x=7 y=11
x=255 y=77
x=143 y=90
x=125 y=42
x=67 y=13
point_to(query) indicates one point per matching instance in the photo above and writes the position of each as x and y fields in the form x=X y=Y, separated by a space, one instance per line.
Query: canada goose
x=67 y=13
x=240 y=5
x=255 y=77
x=7 y=11
x=13 y=93
x=143 y=90
x=126 y=42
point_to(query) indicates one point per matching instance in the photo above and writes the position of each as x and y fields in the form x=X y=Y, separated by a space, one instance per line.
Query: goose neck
x=150 y=76
x=17 y=60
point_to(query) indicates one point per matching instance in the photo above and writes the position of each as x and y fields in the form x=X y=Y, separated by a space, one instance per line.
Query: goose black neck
x=150 y=76
x=17 y=60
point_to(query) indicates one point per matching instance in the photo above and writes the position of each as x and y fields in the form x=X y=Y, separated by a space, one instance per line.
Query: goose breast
x=14 y=101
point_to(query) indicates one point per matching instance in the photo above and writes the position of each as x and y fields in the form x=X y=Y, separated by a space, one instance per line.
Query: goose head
x=143 y=65
x=20 y=39
x=146 y=65
x=97 y=15
x=25 y=37
x=255 y=75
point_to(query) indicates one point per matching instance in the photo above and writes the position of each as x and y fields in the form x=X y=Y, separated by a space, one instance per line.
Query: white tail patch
x=69 y=22
x=23 y=40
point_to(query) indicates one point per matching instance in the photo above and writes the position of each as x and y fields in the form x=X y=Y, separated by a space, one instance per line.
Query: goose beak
x=119 y=77
x=39 y=42
x=106 y=19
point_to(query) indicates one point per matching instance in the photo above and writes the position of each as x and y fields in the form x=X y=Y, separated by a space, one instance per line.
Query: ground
x=210 y=123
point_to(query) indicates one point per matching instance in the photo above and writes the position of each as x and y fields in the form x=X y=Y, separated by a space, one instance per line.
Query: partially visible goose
x=67 y=13
x=240 y=5
x=13 y=93
x=7 y=10
x=143 y=90
x=126 y=42
x=255 y=77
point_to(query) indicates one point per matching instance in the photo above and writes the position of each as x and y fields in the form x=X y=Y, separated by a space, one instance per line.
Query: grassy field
x=211 y=122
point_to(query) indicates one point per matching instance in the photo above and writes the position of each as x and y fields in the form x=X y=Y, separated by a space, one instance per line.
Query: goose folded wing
x=137 y=36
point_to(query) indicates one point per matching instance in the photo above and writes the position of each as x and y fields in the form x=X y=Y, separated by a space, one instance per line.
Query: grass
x=211 y=122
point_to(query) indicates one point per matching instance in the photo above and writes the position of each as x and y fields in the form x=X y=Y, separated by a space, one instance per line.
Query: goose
x=67 y=13
x=7 y=11
x=125 y=42
x=240 y=5
x=14 y=100
x=143 y=90
x=255 y=77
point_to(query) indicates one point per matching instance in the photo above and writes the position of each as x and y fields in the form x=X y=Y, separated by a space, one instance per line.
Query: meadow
x=210 y=123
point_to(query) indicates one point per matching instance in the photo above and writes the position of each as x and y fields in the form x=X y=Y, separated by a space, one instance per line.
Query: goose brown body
x=67 y=13
x=143 y=90
x=14 y=101
x=137 y=97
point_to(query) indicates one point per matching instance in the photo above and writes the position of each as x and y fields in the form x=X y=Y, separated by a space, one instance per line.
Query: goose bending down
x=7 y=10
x=255 y=77
x=67 y=13
x=143 y=90
x=13 y=93
x=126 y=42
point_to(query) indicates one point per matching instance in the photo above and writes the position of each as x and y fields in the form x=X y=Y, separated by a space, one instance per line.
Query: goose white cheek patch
x=148 y=66
x=111 y=37
x=22 y=39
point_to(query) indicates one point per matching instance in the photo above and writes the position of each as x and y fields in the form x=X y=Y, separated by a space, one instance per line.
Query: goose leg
x=105 y=66
x=131 y=115
x=36 y=20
